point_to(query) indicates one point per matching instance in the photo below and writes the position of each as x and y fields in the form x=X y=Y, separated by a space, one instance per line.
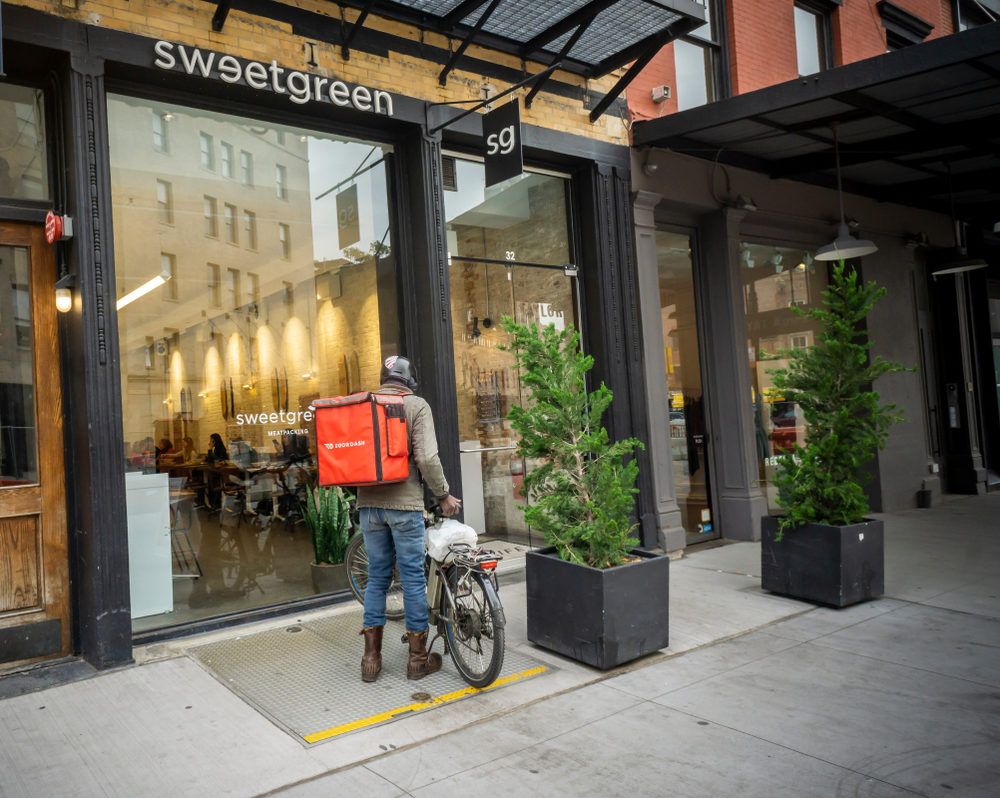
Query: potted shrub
x=823 y=548
x=327 y=511
x=591 y=595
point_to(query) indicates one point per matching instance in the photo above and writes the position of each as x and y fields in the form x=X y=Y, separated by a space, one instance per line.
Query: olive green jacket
x=424 y=461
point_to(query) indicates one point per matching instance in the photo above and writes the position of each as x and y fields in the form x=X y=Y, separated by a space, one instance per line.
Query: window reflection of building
x=776 y=279
x=23 y=165
x=242 y=333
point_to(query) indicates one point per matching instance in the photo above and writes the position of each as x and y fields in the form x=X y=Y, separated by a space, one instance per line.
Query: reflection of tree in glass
x=377 y=249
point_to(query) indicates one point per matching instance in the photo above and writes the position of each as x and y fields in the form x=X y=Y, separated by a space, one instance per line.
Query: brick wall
x=761 y=44
x=260 y=39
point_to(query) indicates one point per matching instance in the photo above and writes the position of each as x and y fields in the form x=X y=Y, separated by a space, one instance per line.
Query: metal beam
x=462 y=10
x=443 y=77
x=952 y=135
x=359 y=23
x=221 y=12
x=653 y=45
x=681 y=27
x=584 y=15
x=580 y=30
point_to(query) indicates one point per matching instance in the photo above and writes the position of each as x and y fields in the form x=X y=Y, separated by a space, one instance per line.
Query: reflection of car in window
x=788 y=426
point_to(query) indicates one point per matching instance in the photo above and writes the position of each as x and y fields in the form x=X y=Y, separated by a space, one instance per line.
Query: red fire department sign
x=53 y=227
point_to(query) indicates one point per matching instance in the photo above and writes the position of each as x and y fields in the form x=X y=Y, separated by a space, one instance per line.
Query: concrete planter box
x=599 y=617
x=834 y=565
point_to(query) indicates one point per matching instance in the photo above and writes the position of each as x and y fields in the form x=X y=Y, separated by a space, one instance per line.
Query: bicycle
x=463 y=602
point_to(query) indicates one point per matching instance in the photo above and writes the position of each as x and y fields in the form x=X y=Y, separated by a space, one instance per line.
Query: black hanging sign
x=502 y=143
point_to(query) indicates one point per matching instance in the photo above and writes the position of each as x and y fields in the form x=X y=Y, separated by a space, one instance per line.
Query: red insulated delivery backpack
x=362 y=439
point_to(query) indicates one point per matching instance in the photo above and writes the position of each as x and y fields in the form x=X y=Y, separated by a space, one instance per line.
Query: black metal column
x=737 y=497
x=611 y=317
x=427 y=296
x=92 y=381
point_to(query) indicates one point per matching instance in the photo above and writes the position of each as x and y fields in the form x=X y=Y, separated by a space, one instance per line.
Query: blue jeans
x=395 y=537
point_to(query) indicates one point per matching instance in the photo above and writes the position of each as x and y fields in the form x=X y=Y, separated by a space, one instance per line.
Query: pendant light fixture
x=958 y=260
x=844 y=245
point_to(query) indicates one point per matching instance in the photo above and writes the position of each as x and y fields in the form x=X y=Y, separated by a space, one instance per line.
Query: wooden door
x=34 y=566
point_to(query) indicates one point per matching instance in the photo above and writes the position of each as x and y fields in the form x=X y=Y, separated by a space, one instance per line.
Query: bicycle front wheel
x=475 y=641
x=356 y=563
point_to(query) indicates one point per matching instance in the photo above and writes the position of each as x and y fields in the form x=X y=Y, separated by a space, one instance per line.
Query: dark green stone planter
x=834 y=565
x=599 y=617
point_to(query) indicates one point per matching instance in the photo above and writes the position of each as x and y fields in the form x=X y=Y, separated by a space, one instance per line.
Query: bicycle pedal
x=403 y=640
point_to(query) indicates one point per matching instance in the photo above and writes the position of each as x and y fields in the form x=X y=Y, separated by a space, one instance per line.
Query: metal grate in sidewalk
x=306 y=677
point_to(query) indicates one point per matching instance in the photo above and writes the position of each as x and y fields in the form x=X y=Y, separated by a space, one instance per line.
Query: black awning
x=614 y=31
x=915 y=126
x=585 y=37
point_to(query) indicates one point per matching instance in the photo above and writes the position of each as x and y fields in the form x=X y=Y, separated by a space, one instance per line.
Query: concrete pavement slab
x=647 y=750
x=877 y=718
x=696 y=666
x=164 y=729
x=929 y=638
x=820 y=621
x=480 y=745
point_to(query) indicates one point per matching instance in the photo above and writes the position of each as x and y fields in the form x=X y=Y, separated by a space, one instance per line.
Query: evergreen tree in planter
x=580 y=496
x=821 y=484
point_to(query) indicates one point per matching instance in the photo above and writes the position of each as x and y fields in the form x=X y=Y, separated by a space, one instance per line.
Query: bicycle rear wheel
x=475 y=641
x=356 y=563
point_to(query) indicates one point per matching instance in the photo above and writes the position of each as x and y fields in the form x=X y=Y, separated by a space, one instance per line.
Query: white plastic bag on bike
x=444 y=535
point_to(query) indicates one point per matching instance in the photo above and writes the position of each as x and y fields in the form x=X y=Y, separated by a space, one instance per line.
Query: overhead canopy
x=587 y=37
x=916 y=126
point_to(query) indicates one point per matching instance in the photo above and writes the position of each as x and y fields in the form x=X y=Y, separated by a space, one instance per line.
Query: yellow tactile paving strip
x=441 y=699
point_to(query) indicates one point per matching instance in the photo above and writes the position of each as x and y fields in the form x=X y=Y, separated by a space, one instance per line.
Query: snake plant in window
x=327 y=511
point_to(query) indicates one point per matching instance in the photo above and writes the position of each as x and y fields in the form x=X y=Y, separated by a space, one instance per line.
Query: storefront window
x=508 y=246
x=227 y=339
x=776 y=279
x=23 y=168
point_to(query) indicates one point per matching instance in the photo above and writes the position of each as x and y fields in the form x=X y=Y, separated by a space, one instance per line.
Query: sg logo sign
x=501 y=143
x=502 y=140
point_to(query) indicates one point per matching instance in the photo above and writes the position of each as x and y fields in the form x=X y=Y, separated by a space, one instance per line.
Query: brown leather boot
x=421 y=663
x=371 y=661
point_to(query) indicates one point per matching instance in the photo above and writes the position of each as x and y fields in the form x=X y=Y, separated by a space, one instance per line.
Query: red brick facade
x=761 y=45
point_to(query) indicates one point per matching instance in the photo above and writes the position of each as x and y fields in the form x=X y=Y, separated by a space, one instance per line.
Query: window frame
x=163 y=133
x=823 y=11
x=211 y=213
x=246 y=168
x=165 y=207
x=206 y=157
x=718 y=84
x=228 y=166
x=250 y=228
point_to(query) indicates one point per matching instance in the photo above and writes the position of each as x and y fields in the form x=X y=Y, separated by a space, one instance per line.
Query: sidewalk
x=757 y=695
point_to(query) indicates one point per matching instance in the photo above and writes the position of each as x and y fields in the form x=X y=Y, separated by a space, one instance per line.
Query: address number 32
x=501 y=143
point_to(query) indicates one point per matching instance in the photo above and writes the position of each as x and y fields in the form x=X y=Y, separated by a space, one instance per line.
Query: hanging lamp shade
x=845 y=246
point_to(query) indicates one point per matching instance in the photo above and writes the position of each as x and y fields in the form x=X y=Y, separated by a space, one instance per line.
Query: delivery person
x=392 y=522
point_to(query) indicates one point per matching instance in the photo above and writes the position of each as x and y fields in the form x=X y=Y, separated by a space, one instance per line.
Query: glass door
x=488 y=384
x=688 y=436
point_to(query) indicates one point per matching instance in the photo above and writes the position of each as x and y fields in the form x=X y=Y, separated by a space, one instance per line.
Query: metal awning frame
x=916 y=143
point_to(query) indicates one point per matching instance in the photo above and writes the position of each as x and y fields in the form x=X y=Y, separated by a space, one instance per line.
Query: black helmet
x=399 y=369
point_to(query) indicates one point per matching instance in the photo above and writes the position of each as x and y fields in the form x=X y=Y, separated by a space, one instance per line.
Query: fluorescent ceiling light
x=142 y=290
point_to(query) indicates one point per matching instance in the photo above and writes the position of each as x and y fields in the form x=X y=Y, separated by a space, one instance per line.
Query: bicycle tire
x=476 y=643
x=356 y=564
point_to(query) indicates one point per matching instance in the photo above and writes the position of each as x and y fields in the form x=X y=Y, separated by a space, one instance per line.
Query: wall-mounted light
x=64 y=293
